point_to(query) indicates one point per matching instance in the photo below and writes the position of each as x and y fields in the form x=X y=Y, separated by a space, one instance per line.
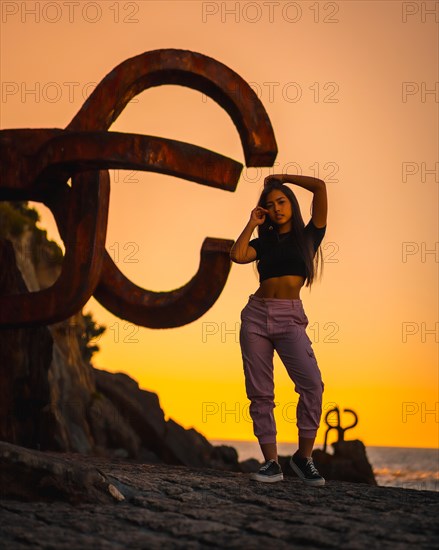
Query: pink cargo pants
x=269 y=324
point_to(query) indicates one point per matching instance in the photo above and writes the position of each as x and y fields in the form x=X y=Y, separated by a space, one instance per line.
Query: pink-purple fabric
x=269 y=324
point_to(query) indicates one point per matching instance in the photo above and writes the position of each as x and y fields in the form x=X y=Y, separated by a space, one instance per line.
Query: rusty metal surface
x=81 y=213
x=192 y=70
x=35 y=164
x=167 y=309
x=32 y=169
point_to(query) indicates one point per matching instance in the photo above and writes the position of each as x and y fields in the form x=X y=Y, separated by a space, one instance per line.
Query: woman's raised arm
x=241 y=252
x=316 y=186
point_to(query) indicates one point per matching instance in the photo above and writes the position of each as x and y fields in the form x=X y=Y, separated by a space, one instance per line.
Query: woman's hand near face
x=258 y=215
x=241 y=252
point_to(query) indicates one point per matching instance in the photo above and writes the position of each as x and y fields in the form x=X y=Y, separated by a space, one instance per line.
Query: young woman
x=288 y=254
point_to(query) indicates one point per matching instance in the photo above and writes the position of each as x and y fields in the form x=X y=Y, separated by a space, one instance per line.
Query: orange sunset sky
x=352 y=91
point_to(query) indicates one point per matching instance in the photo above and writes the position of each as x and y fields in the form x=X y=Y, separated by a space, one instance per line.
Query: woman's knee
x=314 y=386
x=261 y=406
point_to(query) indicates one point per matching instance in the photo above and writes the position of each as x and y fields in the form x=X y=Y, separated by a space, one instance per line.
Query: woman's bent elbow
x=233 y=258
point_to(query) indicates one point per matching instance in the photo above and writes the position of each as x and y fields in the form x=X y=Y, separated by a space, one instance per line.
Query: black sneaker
x=305 y=469
x=270 y=472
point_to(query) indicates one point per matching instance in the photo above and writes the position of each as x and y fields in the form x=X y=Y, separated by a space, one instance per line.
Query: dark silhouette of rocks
x=348 y=463
x=139 y=410
x=29 y=475
x=165 y=506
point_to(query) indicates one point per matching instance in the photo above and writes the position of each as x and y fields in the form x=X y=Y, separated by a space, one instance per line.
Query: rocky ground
x=109 y=503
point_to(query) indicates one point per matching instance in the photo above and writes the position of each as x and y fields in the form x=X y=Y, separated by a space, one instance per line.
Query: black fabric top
x=279 y=255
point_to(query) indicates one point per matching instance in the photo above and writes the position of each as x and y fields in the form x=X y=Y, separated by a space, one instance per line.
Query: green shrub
x=14 y=219
x=15 y=216
x=90 y=336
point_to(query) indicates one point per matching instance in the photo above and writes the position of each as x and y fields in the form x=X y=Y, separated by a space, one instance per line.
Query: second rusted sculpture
x=337 y=427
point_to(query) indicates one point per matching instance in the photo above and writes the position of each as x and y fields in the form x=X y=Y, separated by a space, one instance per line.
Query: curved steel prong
x=171 y=308
x=230 y=91
x=193 y=70
x=72 y=152
x=81 y=214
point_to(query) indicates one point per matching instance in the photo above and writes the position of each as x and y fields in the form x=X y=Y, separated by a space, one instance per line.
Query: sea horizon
x=393 y=466
x=321 y=444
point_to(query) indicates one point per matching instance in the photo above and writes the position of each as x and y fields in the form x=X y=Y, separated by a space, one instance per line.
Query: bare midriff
x=286 y=287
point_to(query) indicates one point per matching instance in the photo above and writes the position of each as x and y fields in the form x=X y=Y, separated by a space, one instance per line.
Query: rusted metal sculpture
x=340 y=430
x=37 y=164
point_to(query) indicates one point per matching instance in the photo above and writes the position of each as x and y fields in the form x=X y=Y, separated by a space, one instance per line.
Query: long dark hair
x=268 y=230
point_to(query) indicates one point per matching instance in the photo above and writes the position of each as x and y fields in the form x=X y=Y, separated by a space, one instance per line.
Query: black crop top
x=279 y=255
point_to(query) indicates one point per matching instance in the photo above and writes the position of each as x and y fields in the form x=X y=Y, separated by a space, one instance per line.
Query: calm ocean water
x=407 y=467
